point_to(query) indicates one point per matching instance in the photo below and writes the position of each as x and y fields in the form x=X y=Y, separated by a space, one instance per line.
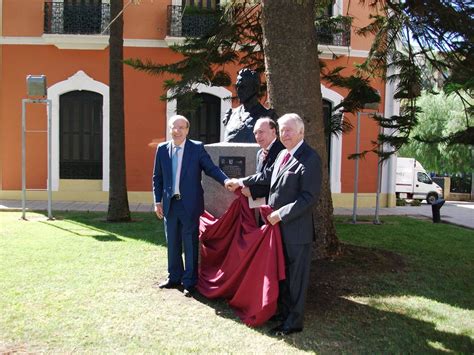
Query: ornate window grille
x=71 y=17
x=334 y=31
x=190 y=21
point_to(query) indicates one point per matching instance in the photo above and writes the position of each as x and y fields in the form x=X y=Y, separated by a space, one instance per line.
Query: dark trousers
x=181 y=231
x=293 y=289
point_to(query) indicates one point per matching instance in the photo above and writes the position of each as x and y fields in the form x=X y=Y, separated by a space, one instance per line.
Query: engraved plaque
x=233 y=167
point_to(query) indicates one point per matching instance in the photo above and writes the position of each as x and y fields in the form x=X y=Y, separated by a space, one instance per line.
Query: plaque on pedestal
x=237 y=160
x=233 y=167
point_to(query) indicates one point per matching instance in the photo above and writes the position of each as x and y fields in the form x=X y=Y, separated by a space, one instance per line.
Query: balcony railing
x=334 y=31
x=68 y=18
x=192 y=22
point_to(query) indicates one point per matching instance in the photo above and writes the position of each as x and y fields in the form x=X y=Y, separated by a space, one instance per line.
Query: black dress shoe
x=189 y=292
x=168 y=284
x=283 y=330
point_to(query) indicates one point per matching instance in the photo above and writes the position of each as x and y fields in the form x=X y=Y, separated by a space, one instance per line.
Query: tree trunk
x=118 y=209
x=293 y=79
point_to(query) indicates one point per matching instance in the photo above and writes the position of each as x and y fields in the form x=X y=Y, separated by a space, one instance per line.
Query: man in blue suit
x=178 y=196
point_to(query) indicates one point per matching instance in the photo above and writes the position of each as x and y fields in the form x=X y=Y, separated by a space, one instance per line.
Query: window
x=205 y=121
x=80 y=140
x=76 y=17
x=82 y=16
x=422 y=177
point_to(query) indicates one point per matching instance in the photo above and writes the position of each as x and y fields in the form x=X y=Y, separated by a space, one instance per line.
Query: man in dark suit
x=178 y=196
x=295 y=182
x=265 y=132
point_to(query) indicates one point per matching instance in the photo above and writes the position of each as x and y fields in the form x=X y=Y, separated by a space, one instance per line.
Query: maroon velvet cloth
x=241 y=261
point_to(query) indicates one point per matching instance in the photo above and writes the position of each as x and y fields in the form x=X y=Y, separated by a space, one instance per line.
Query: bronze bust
x=239 y=121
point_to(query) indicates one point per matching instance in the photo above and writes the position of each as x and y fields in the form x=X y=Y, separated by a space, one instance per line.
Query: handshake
x=232 y=184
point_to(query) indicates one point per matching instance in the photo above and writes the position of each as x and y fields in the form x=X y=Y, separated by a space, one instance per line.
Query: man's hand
x=159 y=210
x=273 y=218
x=232 y=184
x=246 y=192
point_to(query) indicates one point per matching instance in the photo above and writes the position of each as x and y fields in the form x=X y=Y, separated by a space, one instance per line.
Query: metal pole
x=379 y=182
x=23 y=158
x=356 y=173
x=50 y=191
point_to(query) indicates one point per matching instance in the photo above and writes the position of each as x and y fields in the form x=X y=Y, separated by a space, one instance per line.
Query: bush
x=401 y=202
x=415 y=203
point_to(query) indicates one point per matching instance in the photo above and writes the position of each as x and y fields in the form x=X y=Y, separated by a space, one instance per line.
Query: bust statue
x=239 y=121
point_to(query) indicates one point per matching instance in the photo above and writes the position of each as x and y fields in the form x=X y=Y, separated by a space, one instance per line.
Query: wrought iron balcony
x=192 y=22
x=334 y=31
x=69 y=18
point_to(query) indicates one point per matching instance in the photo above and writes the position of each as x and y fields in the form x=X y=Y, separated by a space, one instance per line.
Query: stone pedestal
x=236 y=160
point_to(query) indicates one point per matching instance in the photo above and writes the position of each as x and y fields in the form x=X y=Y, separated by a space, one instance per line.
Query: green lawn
x=79 y=284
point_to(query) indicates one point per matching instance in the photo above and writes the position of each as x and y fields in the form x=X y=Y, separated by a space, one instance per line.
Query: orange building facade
x=49 y=38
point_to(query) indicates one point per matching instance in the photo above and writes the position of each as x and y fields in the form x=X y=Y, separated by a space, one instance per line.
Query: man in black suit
x=265 y=132
x=295 y=183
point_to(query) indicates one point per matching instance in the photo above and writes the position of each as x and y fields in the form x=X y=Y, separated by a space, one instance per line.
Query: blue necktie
x=174 y=166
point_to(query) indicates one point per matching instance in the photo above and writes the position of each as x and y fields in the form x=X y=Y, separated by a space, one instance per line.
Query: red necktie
x=284 y=161
x=263 y=156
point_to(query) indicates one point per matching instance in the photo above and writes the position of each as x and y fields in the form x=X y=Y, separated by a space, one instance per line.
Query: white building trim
x=336 y=143
x=219 y=91
x=83 y=42
x=226 y=104
x=86 y=42
x=79 y=81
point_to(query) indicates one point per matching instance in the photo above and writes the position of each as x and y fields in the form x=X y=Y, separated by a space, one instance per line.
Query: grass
x=79 y=284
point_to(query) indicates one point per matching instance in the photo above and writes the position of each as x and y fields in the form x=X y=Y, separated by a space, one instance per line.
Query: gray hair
x=292 y=117
x=175 y=118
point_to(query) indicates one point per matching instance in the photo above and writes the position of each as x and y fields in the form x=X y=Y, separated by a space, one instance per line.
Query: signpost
x=36 y=87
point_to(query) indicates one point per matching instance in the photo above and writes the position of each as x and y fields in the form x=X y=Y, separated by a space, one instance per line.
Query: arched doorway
x=205 y=120
x=80 y=135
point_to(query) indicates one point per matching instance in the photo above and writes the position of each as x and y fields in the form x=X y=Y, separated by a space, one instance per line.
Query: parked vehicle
x=412 y=182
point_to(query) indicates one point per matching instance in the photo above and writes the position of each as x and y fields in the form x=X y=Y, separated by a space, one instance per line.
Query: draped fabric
x=241 y=261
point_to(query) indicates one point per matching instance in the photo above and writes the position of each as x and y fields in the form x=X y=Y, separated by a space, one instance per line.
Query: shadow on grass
x=339 y=324
x=80 y=232
x=336 y=324
x=144 y=226
x=337 y=319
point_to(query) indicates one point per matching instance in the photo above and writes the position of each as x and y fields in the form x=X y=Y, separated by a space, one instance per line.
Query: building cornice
x=86 y=42
x=98 y=42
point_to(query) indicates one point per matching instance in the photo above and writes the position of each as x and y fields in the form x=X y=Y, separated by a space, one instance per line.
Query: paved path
x=455 y=212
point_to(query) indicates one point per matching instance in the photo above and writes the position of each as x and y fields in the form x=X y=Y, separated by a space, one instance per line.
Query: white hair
x=174 y=118
x=292 y=117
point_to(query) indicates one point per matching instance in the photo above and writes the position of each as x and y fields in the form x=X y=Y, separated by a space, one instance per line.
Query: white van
x=413 y=182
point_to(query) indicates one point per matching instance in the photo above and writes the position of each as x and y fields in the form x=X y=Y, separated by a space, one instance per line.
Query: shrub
x=401 y=202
